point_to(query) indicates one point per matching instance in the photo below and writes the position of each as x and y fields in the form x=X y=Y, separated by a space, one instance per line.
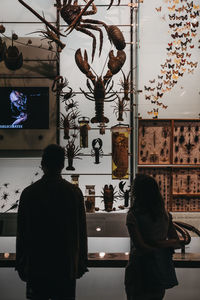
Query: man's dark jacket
x=51 y=230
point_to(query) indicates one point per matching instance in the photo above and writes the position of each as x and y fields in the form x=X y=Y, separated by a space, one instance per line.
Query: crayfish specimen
x=71 y=152
x=101 y=91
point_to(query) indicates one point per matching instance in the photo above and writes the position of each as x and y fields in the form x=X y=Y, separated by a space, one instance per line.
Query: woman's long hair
x=147 y=197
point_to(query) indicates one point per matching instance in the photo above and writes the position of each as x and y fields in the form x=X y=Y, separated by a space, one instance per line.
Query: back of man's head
x=53 y=158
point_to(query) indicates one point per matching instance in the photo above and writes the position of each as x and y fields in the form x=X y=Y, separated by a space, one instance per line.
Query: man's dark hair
x=53 y=157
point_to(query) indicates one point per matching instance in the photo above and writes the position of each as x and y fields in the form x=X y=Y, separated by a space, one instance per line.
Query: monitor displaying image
x=24 y=107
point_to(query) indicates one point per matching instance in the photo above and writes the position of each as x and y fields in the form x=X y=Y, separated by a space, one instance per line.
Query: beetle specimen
x=101 y=90
x=97 y=149
x=84 y=127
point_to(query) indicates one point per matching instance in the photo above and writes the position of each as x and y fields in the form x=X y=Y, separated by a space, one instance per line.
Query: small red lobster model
x=101 y=91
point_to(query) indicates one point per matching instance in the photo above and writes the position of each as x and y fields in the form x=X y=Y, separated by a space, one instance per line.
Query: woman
x=153 y=239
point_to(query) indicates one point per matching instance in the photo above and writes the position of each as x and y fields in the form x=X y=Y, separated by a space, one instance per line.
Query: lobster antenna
x=105 y=62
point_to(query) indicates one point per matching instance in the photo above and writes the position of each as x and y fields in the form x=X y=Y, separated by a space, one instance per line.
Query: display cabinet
x=178 y=175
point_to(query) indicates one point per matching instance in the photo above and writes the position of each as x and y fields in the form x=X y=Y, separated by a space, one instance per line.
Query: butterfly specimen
x=163 y=72
x=170 y=48
x=177 y=48
x=191 y=71
x=160 y=84
x=150 y=112
x=159 y=95
x=188 y=10
x=175 y=76
x=196 y=6
x=195 y=24
x=179 y=24
x=183 y=43
x=167 y=82
x=175 y=72
x=193 y=30
x=158 y=9
x=159 y=103
x=180 y=55
x=163 y=66
x=172 y=8
x=174 y=36
x=180 y=74
x=152 y=81
x=159 y=87
x=164 y=106
x=170 y=66
x=160 y=77
x=172 y=17
x=177 y=61
x=147 y=97
x=170 y=44
x=190 y=4
x=152 y=89
x=174 y=81
x=189 y=40
x=183 y=69
x=172 y=25
x=193 y=34
x=186 y=34
x=168 y=60
x=147 y=88
x=168 y=76
x=191 y=46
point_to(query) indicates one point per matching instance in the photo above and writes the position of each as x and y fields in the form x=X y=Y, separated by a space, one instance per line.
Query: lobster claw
x=115 y=63
x=83 y=64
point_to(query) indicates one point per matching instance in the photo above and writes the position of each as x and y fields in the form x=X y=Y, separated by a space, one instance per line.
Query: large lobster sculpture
x=102 y=87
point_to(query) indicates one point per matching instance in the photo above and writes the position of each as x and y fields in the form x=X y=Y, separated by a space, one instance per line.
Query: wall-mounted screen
x=24 y=107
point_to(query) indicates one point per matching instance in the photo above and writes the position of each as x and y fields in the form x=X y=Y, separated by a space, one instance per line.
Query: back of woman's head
x=147 y=196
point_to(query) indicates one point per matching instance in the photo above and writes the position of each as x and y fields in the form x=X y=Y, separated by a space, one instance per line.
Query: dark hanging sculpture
x=13 y=59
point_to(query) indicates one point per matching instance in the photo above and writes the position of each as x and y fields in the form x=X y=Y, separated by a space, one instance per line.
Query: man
x=51 y=247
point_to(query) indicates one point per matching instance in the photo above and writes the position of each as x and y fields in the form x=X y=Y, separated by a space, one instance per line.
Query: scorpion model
x=101 y=86
x=97 y=149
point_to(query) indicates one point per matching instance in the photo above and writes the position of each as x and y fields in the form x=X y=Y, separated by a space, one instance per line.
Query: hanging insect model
x=97 y=149
x=102 y=90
